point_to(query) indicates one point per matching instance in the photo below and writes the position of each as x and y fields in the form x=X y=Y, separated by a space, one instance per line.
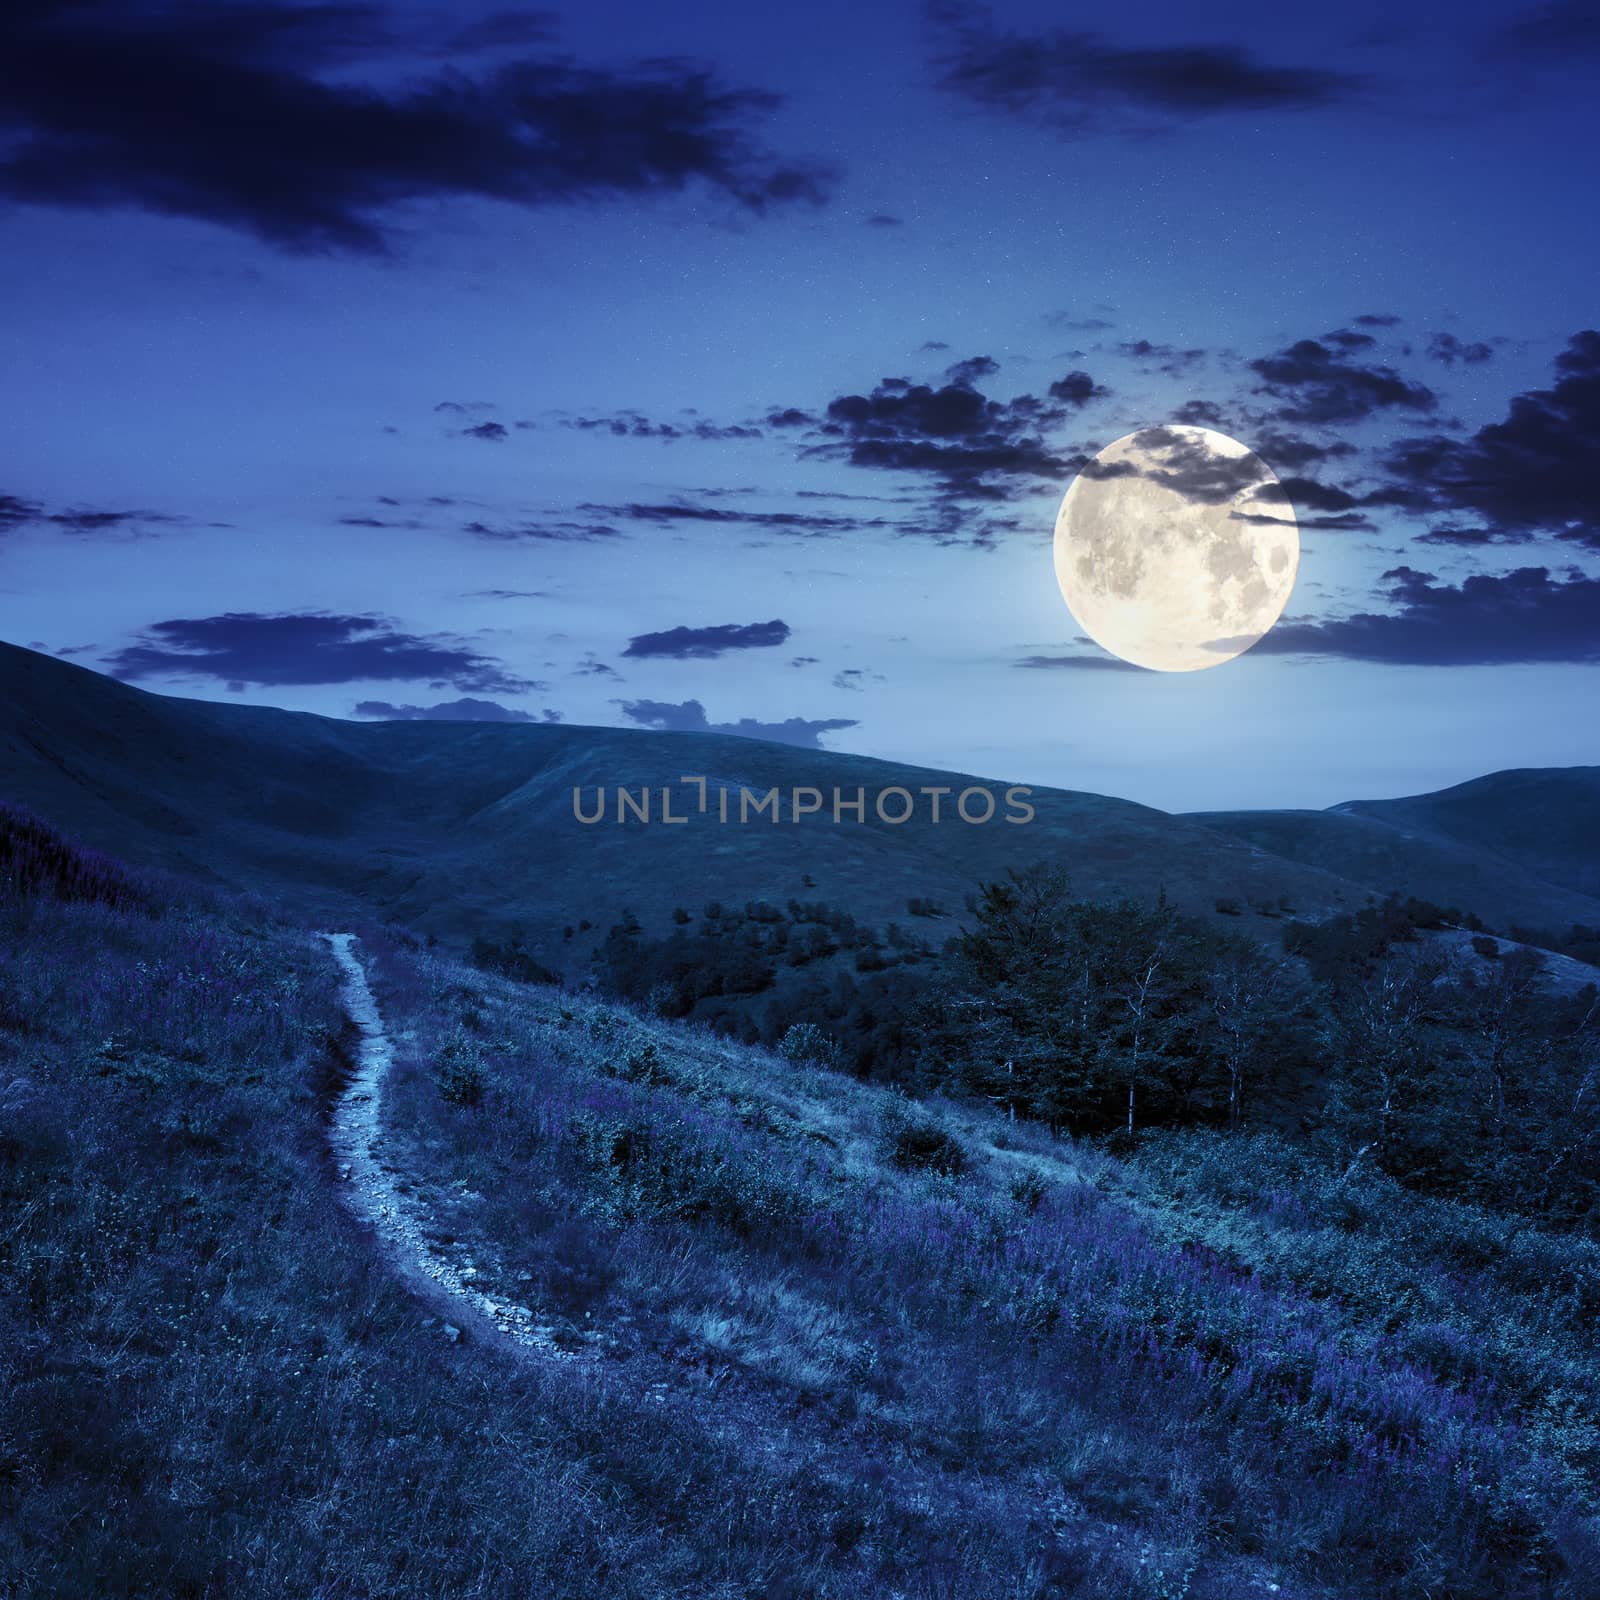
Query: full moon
x=1176 y=548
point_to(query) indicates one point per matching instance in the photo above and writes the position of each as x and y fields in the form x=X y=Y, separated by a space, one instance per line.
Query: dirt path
x=373 y=1184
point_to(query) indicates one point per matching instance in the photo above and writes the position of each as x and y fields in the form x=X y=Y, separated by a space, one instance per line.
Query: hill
x=806 y=1337
x=460 y=828
x=1368 y=843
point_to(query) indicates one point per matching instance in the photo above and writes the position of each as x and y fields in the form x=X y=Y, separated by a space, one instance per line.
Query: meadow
x=820 y=1339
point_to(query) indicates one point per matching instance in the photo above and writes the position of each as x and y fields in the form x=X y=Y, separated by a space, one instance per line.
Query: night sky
x=722 y=366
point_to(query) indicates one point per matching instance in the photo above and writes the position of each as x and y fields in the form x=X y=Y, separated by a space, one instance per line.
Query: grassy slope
x=1192 y=1373
x=815 y=1371
x=1546 y=823
x=457 y=827
x=1380 y=848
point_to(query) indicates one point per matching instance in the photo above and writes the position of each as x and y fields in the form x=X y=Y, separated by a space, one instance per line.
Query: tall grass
x=1036 y=1316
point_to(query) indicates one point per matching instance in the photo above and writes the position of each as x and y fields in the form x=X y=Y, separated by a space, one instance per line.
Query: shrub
x=459 y=1072
x=913 y=1142
x=805 y=1042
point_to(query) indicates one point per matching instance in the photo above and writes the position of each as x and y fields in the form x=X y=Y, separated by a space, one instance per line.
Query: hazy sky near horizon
x=711 y=366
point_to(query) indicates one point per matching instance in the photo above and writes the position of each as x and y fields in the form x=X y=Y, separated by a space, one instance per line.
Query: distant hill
x=462 y=827
x=1362 y=845
x=1546 y=822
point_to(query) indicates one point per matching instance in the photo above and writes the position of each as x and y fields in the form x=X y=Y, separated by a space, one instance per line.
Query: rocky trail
x=379 y=1193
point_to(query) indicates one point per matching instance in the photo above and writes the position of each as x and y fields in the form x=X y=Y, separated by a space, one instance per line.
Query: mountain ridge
x=465 y=827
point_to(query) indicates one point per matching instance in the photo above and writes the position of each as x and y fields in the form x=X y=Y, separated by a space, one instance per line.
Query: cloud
x=1523 y=616
x=500 y=29
x=1079 y=83
x=492 y=432
x=555 y=530
x=1532 y=473
x=253 y=116
x=816 y=524
x=17 y=513
x=966 y=373
x=1561 y=30
x=247 y=647
x=466 y=710
x=1376 y=319
x=882 y=219
x=1446 y=348
x=1291 y=452
x=1190 y=467
x=970 y=444
x=794 y=417
x=689 y=716
x=1165 y=357
x=631 y=425
x=705 y=644
x=1316 y=385
x=1105 y=663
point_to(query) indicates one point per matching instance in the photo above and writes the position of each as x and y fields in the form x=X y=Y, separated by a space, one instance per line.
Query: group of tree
x=1361 y=1035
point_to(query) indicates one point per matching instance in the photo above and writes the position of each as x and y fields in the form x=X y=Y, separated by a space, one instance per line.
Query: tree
x=1381 y=1054
x=1247 y=990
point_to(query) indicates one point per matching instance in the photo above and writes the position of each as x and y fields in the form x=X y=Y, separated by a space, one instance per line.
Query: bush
x=459 y=1072
x=915 y=1143
x=805 y=1042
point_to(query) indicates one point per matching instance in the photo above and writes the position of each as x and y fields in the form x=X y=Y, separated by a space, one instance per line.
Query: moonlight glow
x=1176 y=548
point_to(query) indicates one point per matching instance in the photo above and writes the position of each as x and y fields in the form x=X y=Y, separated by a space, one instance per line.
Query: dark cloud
x=1201 y=414
x=1076 y=389
x=1307 y=493
x=967 y=373
x=1191 y=467
x=255 y=648
x=1079 y=82
x=1562 y=30
x=1446 y=348
x=1339 y=522
x=973 y=446
x=1077 y=663
x=1376 y=319
x=465 y=408
x=815 y=524
x=1069 y=323
x=553 y=530
x=1523 y=616
x=1347 y=339
x=704 y=644
x=689 y=716
x=793 y=416
x=513 y=29
x=234 y=114
x=631 y=425
x=1532 y=473
x=882 y=219
x=466 y=710
x=493 y=432
x=1165 y=357
x=1314 y=384
x=1464 y=538
x=1292 y=452
x=86 y=522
